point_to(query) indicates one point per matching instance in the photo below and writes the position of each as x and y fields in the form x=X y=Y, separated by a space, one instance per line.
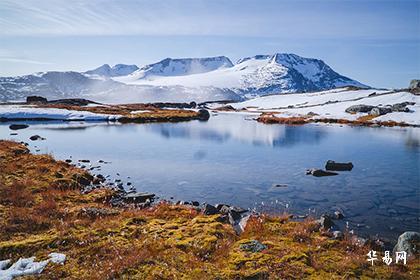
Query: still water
x=235 y=160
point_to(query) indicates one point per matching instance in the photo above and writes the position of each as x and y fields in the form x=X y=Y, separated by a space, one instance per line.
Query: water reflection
x=232 y=160
x=238 y=128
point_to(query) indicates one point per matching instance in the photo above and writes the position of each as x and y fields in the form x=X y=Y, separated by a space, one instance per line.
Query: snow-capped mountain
x=185 y=79
x=115 y=71
x=253 y=76
x=182 y=67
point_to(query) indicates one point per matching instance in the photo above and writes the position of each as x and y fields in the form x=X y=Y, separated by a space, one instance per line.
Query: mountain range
x=185 y=79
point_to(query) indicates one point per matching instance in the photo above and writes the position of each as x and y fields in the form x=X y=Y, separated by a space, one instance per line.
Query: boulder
x=253 y=246
x=409 y=242
x=338 y=215
x=338 y=166
x=319 y=172
x=18 y=126
x=36 y=137
x=359 y=109
x=401 y=107
x=203 y=115
x=209 y=209
x=36 y=99
x=337 y=235
x=325 y=222
x=379 y=111
x=414 y=84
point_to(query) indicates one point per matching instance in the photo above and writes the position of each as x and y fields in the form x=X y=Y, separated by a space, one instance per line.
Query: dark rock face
x=320 y=173
x=253 y=246
x=36 y=99
x=409 y=242
x=18 y=126
x=338 y=166
x=359 y=109
x=36 y=137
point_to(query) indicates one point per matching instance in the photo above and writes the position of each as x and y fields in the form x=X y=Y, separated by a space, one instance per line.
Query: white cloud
x=198 y=17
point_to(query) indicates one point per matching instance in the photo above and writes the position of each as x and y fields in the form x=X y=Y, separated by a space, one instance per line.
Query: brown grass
x=162 y=242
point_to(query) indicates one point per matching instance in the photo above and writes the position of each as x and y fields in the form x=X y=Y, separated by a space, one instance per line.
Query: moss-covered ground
x=42 y=210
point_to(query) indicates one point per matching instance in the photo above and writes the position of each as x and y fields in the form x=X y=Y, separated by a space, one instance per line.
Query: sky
x=376 y=42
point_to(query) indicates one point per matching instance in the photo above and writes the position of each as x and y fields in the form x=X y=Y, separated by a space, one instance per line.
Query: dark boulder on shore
x=320 y=173
x=18 y=126
x=325 y=222
x=409 y=242
x=338 y=166
x=361 y=108
x=209 y=209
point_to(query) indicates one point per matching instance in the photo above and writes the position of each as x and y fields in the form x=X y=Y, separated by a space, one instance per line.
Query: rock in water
x=18 y=126
x=338 y=166
x=409 y=242
x=319 y=172
x=204 y=115
x=36 y=137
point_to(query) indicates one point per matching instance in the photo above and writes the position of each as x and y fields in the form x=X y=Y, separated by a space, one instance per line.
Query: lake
x=235 y=160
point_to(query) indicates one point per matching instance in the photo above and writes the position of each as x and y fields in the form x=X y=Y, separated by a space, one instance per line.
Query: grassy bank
x=42 y=210
x=270 y=118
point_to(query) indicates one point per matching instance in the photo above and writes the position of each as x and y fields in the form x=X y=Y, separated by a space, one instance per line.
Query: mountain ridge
x=183 y=79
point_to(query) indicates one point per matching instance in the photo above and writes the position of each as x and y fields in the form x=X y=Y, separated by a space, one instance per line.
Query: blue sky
x=376 y=42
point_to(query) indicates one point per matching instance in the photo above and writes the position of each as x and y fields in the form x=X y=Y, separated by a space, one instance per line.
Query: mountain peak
x=184 y=66
x=115 y=71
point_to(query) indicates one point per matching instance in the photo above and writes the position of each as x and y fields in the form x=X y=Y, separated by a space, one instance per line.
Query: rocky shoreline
x=49 y=206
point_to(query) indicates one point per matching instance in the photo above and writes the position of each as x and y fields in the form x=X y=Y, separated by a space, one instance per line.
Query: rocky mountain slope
x=187 y=79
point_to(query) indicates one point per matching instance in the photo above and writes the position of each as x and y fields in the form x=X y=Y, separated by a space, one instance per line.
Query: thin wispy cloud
x=332 y=19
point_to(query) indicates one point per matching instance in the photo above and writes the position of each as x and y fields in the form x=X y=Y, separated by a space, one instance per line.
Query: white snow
x=333 y=103
x=27 y=112
x=27 y=266
x=57 y=258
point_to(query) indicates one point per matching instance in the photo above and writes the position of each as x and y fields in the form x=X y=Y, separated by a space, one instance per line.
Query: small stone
x=253 y=246
x=195 y=203
x=36 y=137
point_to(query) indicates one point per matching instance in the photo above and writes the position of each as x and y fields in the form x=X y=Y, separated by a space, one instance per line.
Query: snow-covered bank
x=16 y=112
x=333 y=104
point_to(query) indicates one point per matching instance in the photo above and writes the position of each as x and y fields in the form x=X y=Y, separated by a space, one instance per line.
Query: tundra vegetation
x=42 y=210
